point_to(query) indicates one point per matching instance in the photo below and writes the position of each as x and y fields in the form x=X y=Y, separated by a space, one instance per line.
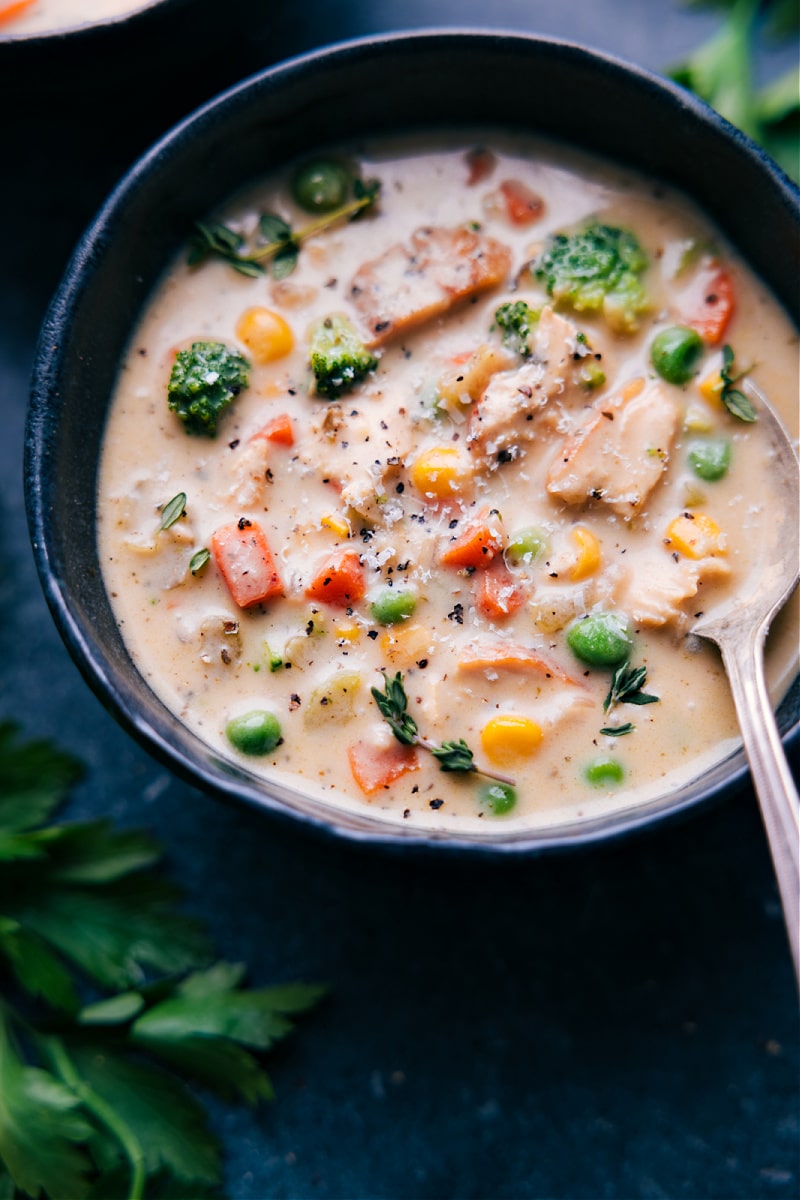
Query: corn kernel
x=439 y=472
x=695 y=535
x=405 y=645
x=711 y=387
x=698 y=419
x=348 y=633
x=336 y=524
x=508 y=738
x=588 y=559
x=693 y=495
x=265 y=333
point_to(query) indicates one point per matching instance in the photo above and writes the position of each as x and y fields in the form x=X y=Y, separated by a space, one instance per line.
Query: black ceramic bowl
x=401 y=82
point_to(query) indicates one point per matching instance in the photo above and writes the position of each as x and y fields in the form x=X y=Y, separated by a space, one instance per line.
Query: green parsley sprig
x=277 y=244
x=94 y=1099
x=451 y=756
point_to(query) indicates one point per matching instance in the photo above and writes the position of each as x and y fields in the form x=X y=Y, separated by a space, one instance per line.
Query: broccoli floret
x=517 y=322
x=339 y=359
x=204 y=381
x=596 y=269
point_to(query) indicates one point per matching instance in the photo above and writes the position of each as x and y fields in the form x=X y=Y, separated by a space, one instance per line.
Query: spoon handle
x=772 y=779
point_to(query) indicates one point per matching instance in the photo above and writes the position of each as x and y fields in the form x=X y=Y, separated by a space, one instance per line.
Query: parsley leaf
x=41 y=1126
x=93 y=1095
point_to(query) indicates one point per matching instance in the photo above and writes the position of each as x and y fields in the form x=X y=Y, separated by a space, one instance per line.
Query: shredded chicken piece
x=503 y=420
x=654 y=589
x=433 y=272
x=619 y=452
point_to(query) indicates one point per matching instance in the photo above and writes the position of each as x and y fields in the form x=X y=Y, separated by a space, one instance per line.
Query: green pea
x=526 y=545
x=604 y=771
x=602 y=639
x=393 y=605
x=321 y=186
x=675 y=353
x=256 y=732
x=499 y=798
x=710 y=458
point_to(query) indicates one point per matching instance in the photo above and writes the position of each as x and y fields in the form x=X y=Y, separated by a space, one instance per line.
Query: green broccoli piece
x=517 y=321
x=596 y=269
x=339 y=359
x=204 y=381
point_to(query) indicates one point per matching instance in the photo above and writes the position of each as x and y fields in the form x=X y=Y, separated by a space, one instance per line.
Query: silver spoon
x=739 y=627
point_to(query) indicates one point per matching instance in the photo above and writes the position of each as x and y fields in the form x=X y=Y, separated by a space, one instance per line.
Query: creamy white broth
x=52 y=16
x=161 y=607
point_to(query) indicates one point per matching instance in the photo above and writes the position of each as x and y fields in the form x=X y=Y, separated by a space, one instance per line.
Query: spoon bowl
x=739 y=628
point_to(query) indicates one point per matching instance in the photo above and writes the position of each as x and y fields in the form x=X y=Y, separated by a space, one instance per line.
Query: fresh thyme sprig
x=737 y=404
x=451 y=756
x=279 y=244
x=626 y=688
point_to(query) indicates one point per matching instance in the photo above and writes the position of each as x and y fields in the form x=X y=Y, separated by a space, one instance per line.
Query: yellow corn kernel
x=439 y=472
x=348 y=633
x=698 y=419
x=695 y=535
x=588 y=559
x=711 y=387
x=405 y=645
x=265 y=333
x=508 y=738
x=693 y=494
x=336 y=524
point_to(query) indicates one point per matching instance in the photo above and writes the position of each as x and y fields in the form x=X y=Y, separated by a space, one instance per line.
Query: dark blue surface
x=620 y=1023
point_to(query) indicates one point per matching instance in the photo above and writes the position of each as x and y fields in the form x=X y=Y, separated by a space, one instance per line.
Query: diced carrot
x=376 y=767
x=8 y=12
x=712 y=302
x=245 y=562
x=279 y=430
x=339 y=581
x=510 y=656
x=480 y=542
x=523 y=205
x=480 y=164
x=497 y=594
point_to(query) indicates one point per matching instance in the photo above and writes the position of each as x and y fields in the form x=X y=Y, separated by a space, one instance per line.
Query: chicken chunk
x=618 y=453
x=654 y=591
x=503 y=419
x=412 y=283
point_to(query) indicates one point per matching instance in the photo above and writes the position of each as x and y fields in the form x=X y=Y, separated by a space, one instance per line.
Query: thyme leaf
x=451 y=756
x=737 y=404
x=172 y=511
x=199 y=560
x=618 y=730
x=626 y=688
x=278 y=244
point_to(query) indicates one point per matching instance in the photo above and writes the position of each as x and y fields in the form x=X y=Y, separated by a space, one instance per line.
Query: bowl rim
x=210 y=772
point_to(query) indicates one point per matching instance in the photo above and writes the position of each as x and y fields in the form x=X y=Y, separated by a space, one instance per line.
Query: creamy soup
x=24 y=17
x=463 y=469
